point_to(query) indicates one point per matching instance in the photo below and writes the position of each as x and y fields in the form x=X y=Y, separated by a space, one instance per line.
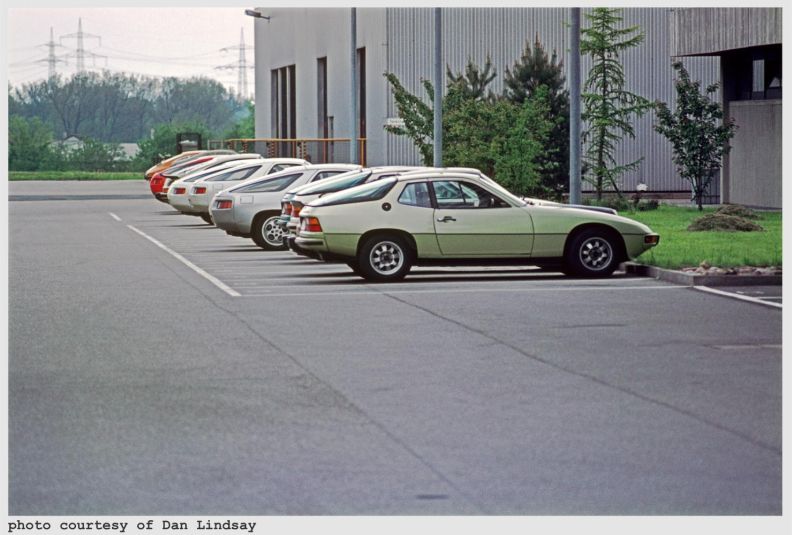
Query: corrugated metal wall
x=729 y=28
x=501 y=33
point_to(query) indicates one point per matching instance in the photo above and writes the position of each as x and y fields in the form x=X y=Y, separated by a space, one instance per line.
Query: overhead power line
x=240 y=65
x=81 y=52
x=52 y=59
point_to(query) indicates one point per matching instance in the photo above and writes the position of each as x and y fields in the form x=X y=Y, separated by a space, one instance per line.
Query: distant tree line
x=102 y=110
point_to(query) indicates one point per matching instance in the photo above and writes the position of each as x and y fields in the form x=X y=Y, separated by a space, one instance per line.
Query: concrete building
x=303 y=72
x=748 y=45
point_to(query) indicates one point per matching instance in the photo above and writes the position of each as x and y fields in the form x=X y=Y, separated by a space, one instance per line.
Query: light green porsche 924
x=448 y=217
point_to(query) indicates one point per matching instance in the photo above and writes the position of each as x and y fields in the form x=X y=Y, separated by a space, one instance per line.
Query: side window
x=325 y=174
x=416 y=194
x=480 y=198
x=237 y=174
x=452 y=194
x=242 y=174
x=448 y=194
x=270 y=184
x=280 y=167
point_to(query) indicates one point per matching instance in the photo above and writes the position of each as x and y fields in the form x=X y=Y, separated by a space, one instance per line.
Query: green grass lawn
x=73 y=175
x=680 y=248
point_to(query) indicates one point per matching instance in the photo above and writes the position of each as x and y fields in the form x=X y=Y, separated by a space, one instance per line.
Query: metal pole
x=574 y=107
x=438 y=90
x=353 y=144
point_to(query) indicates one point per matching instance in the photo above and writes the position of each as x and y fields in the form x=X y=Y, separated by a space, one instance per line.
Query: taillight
x=179 y=191
x=296 y=209
x=199 y=190
x=286 y=208
x=224 y=204
x=310 y=224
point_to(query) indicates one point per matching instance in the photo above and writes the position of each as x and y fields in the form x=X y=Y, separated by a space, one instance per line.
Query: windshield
x=366 y=192
x=338 y=183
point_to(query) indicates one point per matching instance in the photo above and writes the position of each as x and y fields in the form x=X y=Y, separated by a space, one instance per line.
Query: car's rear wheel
x=207 y=218
x=592 y=252
x=355 y=267
x=384 y=258
x=267 y=233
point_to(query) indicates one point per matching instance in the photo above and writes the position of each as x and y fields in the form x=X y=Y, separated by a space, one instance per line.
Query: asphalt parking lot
x=159 y=366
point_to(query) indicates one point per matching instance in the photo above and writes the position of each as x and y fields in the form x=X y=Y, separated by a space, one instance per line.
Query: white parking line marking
x=738 y=296
x=451 y=290
x=214 y=280
x=114 y=216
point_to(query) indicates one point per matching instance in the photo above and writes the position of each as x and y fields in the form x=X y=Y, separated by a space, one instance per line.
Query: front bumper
x=637 y=244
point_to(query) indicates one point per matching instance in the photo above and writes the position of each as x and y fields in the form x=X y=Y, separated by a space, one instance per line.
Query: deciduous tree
x=697 y=131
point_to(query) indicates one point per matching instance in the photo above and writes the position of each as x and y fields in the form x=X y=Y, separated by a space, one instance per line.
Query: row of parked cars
x=381 y=221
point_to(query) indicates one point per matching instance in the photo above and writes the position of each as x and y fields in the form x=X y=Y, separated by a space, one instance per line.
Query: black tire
x=353 y=265
x=384 y=258
x=266 y=233
x=207 y=218
x=592 y=252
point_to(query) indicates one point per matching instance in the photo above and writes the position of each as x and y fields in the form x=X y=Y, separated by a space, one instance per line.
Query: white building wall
x=300 y=37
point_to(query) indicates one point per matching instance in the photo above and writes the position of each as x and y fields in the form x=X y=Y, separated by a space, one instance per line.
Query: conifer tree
x=472 y=84
x=608 y=106
x=535 y=69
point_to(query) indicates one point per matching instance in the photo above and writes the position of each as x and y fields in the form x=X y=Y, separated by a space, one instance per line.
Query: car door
x=470 y=220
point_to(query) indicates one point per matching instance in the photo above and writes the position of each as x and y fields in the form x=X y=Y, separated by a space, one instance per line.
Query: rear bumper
x=225 y=220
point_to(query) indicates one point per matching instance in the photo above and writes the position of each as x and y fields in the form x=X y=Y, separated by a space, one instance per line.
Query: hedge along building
x=303 y=73
x=747 y=42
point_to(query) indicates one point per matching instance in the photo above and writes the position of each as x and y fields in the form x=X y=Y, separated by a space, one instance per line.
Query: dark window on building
x=361 y=91
x=321 y=97
x=284 y=106
x=292 y=101
x=274 y=102
x=752 y=73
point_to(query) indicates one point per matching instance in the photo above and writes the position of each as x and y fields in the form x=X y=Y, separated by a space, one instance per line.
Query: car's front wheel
x=207 y=218
x=384 y=258
x=592 y=253
x=267 y=233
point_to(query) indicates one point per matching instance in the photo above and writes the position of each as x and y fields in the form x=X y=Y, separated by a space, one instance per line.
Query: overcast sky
x=141 y=40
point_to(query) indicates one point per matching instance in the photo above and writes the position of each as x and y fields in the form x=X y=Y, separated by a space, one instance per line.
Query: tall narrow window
x=283 y=92
x=361 y=91
x=321 y=97
x=758 y=78
x=292 y=101
x=274 y=102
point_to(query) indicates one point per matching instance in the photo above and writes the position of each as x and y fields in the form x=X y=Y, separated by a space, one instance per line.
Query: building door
x=361 y=96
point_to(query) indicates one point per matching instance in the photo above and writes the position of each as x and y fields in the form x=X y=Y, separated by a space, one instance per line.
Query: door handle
x=445 y=219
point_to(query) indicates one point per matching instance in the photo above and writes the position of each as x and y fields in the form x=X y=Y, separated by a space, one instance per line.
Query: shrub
x=617 y=203
x=651 y=204
x=722 y=222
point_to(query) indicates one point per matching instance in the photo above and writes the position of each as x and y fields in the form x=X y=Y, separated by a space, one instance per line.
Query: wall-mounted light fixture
x=255 y=14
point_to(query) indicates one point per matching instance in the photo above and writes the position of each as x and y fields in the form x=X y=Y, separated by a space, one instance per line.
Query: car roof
x=231 y=157
x=446 y=172
x=299 y=161
x=350 y=166
x=357 y=170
